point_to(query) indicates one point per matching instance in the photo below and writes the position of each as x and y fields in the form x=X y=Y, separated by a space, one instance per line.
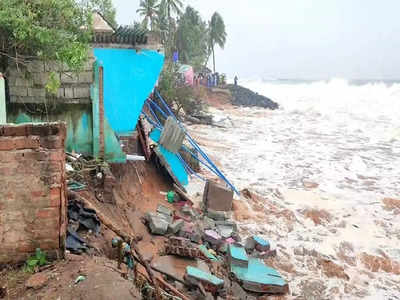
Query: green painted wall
x=79 y=120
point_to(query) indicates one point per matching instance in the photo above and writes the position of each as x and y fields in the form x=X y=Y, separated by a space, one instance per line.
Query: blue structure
x=172 y=160
x=257 y=275
x=205 y=160
x=203 y=276
x=129 y=78
x=253 y=273
x=261 y=241
x=238 y=254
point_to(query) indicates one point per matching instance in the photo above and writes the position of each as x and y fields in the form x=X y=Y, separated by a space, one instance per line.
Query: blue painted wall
x=129 y=78
x=171 y=158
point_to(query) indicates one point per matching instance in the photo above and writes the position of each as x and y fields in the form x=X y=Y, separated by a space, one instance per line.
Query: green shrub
x=34 y=262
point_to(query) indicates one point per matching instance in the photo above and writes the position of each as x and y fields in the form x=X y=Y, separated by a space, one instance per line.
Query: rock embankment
x=245 y=97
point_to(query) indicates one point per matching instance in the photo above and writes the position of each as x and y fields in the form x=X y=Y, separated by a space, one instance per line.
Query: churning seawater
x=343 y=136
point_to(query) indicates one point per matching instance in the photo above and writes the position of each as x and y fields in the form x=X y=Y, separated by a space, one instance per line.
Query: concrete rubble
x=217 y=197
x=211 y=236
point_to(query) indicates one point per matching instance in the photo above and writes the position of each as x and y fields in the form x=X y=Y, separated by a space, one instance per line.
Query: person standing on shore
x=236 y=80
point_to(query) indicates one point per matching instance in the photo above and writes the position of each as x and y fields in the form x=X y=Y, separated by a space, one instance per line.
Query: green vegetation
x=217 y=35
x=60 y=30
x=34 y=262
x=191 y=39
x=104 y=7
x=184 y=30
x=179 y=97
x=44 y=29
x=149 y=10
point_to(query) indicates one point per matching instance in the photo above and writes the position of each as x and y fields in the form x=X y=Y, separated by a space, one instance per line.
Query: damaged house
x=99 y=108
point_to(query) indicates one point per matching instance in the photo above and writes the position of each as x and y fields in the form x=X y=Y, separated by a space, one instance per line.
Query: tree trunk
x=213 y=57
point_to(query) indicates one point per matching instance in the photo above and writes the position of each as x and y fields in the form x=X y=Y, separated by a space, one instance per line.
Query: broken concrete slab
x=257 y=243
x=250 y=244
x=228 y=223
x=218 y=215
x=187 y=210
x=164 y=210
x=196 y=237
x=150 y=215
x=175 y=267
x=208 y=223
x=225 y=231
x=157 y=225
x=190 y=232
x=176 y=226
x=217 y=197
x=212 y=237
x=237 y=256
x=210 y=282
x=253 y=274
x=261 y=244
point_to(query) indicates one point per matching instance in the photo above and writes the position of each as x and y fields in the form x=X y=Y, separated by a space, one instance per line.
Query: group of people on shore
x=209 y=80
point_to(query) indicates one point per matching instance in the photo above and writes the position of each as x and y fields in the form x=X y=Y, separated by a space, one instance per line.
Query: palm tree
x=172 y=6
x=148 y=9
x=217 y=34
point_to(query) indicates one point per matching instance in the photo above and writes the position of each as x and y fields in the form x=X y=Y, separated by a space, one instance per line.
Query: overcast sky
x=304 y=39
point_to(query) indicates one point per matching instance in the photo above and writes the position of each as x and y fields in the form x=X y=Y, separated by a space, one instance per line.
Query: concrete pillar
x=3 y=116
x=94 y=95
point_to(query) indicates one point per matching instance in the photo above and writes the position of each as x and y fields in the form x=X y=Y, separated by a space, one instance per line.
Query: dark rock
x=245 y=97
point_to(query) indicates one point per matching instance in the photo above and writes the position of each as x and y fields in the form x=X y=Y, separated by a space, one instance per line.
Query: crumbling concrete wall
x=32 y=190
x=27 y=83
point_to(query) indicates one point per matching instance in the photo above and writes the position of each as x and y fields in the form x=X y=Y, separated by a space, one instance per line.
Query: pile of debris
x=204 y=252
x=84 y=172
x=80 y=219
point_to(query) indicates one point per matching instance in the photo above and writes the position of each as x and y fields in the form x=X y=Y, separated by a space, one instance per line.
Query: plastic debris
x=79 y=279
x=170 y=197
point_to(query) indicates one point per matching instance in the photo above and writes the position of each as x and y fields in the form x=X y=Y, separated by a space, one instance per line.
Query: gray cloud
x=308 y=39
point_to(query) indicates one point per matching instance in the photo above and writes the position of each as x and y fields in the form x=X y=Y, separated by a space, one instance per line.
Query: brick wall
x=32 y=190
x=27 y=83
